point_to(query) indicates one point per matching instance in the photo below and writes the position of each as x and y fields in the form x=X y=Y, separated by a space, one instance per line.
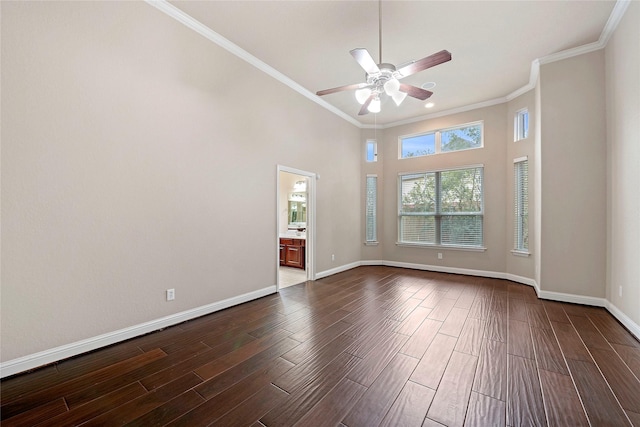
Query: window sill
x=520 y=253
x=444 y=247
x=371 y=243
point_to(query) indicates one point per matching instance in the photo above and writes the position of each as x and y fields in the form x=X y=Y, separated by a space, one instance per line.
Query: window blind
x=370 y=210
x=521 y=204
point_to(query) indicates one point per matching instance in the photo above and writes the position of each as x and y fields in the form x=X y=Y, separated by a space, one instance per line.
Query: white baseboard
x=339 y=269
x=36 y=360
x=633 y=327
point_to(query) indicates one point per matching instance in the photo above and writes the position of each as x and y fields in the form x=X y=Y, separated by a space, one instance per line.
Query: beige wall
x=492 y=156
x=573 y=150
x=137 y=156
x=623 y=151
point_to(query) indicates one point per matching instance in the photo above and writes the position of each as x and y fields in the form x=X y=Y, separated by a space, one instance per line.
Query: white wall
x=137 y=156
x=623 y=152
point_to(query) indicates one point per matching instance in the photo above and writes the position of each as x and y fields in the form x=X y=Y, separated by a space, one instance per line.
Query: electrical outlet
x=171 y=294
x=439 y=255
x=333 y=257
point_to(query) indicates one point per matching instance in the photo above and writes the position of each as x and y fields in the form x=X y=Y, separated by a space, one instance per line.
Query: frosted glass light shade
x=398 y=97
x=392 y=86
x=362 y=95
x=374 y=105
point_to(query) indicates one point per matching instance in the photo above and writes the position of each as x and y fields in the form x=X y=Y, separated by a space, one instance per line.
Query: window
x=372 y=150
x=521 y=125
x=442 y=208
x=457 y=138
x=370 y=209
x=521 y=205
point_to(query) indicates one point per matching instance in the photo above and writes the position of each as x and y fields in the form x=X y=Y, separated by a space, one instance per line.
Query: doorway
x=295 y=226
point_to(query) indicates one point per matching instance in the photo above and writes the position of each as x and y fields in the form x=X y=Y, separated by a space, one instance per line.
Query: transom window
x=442 y=207
x=458 y=138
x=521 y=125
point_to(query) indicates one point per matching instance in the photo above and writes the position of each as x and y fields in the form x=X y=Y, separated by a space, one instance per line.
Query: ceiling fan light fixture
x=374 y=105
x=398 y=97
x=362 y=95
x=392 y=86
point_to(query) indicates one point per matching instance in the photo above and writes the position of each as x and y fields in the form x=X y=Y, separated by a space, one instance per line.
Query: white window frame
x=520 y=206
x=438 y=214
x=374 y=144
x=371 y=210
x=520 y=128
x=438 y=139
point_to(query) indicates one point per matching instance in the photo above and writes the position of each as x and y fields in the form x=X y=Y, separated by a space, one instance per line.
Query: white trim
x=339 y=269
x=517 y=252
x=177 y=14
x=520 y=159
x=614 y=19
x=633 y=327
x=443 y=247
x=372 y=243
x=45 y=357
x=572 y=298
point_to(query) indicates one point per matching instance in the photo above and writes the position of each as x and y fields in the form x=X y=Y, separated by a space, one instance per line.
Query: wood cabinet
x=292 y=252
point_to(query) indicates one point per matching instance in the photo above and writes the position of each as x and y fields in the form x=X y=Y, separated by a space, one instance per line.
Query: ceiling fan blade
x=365 y=60
x=424 y=63
x=341 y=88
x=365 y=107
x=415 y=92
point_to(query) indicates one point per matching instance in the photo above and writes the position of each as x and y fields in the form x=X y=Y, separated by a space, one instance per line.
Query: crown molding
x=177 y=14
x=615 y=17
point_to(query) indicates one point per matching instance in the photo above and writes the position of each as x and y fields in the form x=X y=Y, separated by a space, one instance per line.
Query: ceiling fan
x=384 y=78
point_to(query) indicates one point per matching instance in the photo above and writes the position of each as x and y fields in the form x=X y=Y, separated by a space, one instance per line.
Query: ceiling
x=493 y=43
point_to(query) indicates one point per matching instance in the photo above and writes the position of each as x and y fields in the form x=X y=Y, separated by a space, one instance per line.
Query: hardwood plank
x=612 y=330
x=631 y=357
x=561 y=400
x=600 y=404
x=442 y=309
x=485 y=411
x=454 y=322
x=497 y=326
x=102 y=404
x=228 y=360
x=491 y=373
x=538 y=316
x=570 y=343
x=413 y=321
x=37 y=415
x=421 y=339
x=470 y=340
x=368 y=369
x=376 y=401
x=334 y=405
x=433 y=299
x=548 y=353
x=254 y=408
x=146 y=403
x=434 y=362
x=519 y=341
x=634 y=418
x=411 y=406
x=624 y=384
x=452 y=397
x=467 y=298
x=524 y=403
x=498 y=302
x=260 y=362
x=303 y=398
x=44 y=396
x=217 y=406
x=555 y=311
x=591 y=336
x=480 y=308
x=517 y=310
x=302 y=351
x=169 y=411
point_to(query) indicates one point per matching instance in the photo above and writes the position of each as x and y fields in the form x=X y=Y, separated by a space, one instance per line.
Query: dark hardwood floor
x=367 y=347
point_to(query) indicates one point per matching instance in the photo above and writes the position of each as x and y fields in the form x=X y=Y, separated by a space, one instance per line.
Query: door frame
x=310 y=244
